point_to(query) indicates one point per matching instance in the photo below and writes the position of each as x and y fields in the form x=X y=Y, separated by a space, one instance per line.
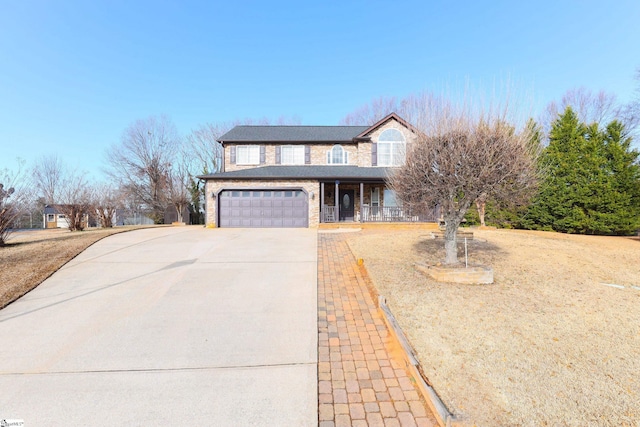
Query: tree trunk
x=450 y=240
x=179 y=208
x=481 y=205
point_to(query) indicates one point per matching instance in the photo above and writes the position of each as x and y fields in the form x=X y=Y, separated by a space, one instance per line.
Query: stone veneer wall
x=392 y=124
x=364 y=148
x=319 y=153
x=214 y=186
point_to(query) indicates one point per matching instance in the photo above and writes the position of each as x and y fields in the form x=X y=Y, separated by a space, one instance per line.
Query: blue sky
x=75 y=74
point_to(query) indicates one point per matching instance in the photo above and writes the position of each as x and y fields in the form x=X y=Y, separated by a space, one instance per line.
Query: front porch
x=370 y=202
x=357 y=226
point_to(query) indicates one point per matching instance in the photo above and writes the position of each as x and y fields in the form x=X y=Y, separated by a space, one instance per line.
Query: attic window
x=391 y=148
x=337 y=156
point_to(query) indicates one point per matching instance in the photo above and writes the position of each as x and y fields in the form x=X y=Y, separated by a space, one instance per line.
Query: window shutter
x=374 y=154
x=307 y=155
x=232 y=155
x=278 y=148
x=346 y=157
x=329 y=157
x=263 y=155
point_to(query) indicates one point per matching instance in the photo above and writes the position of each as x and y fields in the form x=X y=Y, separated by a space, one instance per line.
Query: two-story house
x=300 y=176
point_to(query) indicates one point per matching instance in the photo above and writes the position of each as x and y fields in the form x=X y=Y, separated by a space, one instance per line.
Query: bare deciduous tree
x=178 y=184
x=205 y=149
x=410 y=108
x=48 y=175
x=370 y=113
x=140 y=163
x=462 y=158
x=14 y=198
x=590 y=107
x=630 y=114
x=75 y=200
x=107 y=201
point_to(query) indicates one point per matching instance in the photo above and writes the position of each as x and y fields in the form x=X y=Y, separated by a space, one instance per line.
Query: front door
x=346 y=205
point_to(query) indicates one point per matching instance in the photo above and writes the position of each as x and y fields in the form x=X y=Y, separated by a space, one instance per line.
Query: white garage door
x=263 y=208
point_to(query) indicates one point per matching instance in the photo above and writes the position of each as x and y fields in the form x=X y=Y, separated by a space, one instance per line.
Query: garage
x=263 y=208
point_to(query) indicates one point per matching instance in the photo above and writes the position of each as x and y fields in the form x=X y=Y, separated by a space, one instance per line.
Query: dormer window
x=337 y=156
x=392 y=148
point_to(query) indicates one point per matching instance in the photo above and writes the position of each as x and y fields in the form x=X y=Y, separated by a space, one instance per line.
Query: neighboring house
x=53 y=218
x=300 y=176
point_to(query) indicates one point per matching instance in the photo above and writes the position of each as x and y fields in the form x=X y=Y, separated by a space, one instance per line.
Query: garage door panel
x=263 y=208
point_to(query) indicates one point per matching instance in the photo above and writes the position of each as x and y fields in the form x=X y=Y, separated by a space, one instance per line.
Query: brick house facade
x=289 y=176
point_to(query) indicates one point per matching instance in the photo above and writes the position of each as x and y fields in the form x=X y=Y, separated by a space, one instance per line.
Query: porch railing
x=329 y=214
x=397 y=214
x=385 y=214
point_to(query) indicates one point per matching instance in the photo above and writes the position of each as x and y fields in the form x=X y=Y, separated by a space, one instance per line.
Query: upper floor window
x=292 y=155
x=392 y=148
x=248 y=155
x=337 y=156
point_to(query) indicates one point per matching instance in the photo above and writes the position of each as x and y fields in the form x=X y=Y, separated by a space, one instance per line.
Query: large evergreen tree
x=592 y=183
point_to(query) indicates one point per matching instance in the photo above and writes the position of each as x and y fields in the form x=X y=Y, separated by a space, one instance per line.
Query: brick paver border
x=360 y=380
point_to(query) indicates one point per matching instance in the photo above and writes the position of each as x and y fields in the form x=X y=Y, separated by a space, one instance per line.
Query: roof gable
x=393 y=116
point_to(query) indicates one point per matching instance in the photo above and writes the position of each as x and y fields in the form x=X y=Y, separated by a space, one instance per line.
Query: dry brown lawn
x=32 y=256
x=549 y=343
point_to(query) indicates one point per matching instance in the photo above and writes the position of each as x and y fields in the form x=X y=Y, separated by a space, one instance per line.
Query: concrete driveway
x=169 y=326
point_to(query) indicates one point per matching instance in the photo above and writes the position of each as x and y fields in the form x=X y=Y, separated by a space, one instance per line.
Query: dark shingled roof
x=300 y=134
x=304 y=172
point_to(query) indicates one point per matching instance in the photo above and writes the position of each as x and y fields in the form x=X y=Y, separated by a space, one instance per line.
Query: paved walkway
x=360 y=383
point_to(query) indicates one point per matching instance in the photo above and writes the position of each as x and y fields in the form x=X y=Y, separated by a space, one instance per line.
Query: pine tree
x=592 y=180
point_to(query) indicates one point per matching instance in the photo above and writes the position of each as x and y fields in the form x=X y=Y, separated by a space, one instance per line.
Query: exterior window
x=390 y=199
x=248 y=155
x=292 y=155
x=375 y=197
x=337 y=156
x=391 y=148
x=50 y=217
x=61 y=217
